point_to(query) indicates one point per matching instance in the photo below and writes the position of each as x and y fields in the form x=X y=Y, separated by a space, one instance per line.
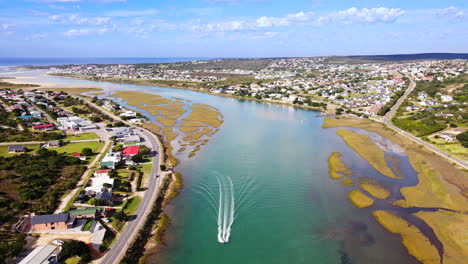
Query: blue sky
x=230 y=28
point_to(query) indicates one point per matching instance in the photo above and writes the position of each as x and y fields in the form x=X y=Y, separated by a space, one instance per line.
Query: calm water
x=286 y=208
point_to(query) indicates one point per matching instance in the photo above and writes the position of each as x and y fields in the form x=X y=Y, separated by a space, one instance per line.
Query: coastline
x=441 y=185
x=201 y=90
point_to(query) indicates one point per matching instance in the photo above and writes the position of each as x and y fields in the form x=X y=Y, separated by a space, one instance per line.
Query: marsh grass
x=415 y=242
x=359 y=199
x=368 y=150
x=450 y=229
x=374 y=188
x=336 y=167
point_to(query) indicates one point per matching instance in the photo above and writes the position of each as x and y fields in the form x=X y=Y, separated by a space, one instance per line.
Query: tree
x=163 y=167
x=137 y=158
x=126 y=185
x=75 y=248
x=120 y=215
x=87 y=152
x=144 y=150
x=463 y=138
x=94 y=201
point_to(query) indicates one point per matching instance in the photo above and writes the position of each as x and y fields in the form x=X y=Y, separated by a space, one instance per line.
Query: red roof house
x=101 y=173
x=45 y=127
x=131 y=150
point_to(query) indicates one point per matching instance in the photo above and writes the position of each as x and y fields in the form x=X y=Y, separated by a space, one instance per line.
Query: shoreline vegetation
x=359 y=199
x=367 y=149
x=186 y=86
x=194 y=131
x=337 y=168
x=417 y=244
x=440 y=185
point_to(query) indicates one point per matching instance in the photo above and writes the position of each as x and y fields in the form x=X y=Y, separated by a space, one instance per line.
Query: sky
x=230 y=28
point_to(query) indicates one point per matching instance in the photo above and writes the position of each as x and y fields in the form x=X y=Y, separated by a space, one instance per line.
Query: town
x=73 y=174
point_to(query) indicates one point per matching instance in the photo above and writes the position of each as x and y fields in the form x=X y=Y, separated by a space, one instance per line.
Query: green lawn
x=88 y=224
x=73 y=260
x=77 y=147
x=131 y=205
x=454 y=148
x=82 y=136
x=4 y=150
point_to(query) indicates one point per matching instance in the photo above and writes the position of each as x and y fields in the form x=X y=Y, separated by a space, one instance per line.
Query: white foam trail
x=220 y=237
x=226 y=209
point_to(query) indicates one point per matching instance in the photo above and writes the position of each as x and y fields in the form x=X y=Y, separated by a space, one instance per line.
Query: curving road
x=387 y=121
x=118 y=249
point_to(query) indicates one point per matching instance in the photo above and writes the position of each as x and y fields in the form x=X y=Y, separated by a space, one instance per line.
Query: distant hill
x=396 y=57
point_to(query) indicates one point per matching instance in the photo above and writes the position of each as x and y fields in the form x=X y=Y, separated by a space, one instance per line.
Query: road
x=387 y=121
x=117 y=251
x=84 y=176
x=395 y=107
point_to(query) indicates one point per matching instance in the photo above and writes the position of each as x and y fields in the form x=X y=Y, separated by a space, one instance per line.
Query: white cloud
x=7 y=26
x=129 y=13
x=362 y=16
x=85 y=31
x=36 y=36
x=78 y=20
x=452 y=12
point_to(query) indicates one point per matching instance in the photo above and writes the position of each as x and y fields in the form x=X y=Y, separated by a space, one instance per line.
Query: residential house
x=79 y=156
x=16 y=149
x=44 y=127
x=108 y=164
x=448 y=137
x=84 y=213
x=47 y=254
x=102 y=173
x=52 y=144
x=97 y=184
x=104 y=195
x=44 y=223
x=131 y=150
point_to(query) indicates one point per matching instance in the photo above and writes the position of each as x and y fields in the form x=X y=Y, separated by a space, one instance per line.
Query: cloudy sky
x=230 y=28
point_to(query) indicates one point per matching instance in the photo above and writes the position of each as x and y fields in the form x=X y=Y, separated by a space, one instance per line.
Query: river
x=269 y=163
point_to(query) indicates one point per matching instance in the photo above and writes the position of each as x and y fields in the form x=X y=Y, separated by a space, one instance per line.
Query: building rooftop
x=131 y=150
x=52 y=218
x=86 y=211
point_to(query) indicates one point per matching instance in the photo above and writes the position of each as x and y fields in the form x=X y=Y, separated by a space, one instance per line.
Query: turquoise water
x=286 y=208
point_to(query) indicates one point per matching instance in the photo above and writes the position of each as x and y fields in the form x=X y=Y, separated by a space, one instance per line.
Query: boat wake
x=225 y=208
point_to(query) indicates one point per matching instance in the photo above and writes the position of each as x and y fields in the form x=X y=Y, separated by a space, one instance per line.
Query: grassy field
x=440 y=183
x=450 y=228
x=74 y=90
x=88 y=224
x=31 y=149
x=455 y=148
x=359 y=199
x=73 y=260
x=336 y=167
x=368 y=150
x=416 y=243
x=82 y=136
x=77 y=147
x=374 y=188
x=131 y=205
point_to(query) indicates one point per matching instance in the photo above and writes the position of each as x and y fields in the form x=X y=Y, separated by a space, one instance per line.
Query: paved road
x=395 y=107
x=125 y=239
x=387 y=121
x=90 y=168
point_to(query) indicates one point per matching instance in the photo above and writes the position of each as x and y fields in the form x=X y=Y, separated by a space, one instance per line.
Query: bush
x=73 y=248
x=463 y=138
x=87 y=152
